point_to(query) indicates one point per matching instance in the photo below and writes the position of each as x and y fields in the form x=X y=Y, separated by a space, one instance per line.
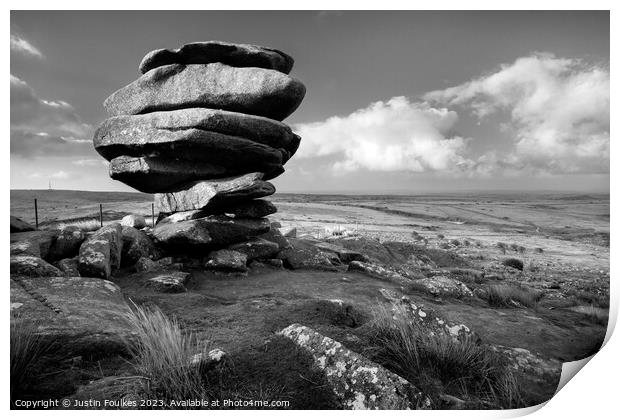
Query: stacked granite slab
x=201 y=128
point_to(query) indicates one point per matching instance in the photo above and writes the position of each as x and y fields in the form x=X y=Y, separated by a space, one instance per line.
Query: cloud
x=557 y=111
x=396 y=135
x=42 y=127
x=89 y=162
x=22 y=46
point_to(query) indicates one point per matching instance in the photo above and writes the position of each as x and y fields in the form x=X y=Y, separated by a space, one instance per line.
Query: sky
x=396 y=102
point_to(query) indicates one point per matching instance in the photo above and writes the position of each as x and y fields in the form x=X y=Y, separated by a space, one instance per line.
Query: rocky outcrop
x=254 y=91
x=18 y=225
x=67 y=243
x=235 y=55
x=100 y=254
x=31 y=266
x=357 y=382
x=84 y=316
x=201 y=129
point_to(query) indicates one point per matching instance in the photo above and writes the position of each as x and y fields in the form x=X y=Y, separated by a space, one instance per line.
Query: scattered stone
x=211 y=231
x=101 y=252
x=18 y=225
x=167 y=282
x=215 y=193
x=207 y=361
x=256 y=248
x=304 y=255
x=30 y=266
x=441 y=286
x=357 y=382
x=137 y=244
x=226 y=260
x=84 y=316
x=41 y=238
x=145 y=264
x=134 y=220
x=69 y=267
x=236 y=55
x=67 y=243
x=250 y=90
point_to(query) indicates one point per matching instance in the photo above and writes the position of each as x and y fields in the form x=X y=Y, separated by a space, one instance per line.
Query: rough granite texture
x=250 y=90
x=356 y=381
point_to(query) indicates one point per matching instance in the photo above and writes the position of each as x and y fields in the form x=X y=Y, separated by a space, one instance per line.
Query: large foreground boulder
x=214 y=194
x=236 y=55
x=250 y=90
x=357 y=382
x=18 y=225
x=31 y=266
x=100 y=254
x=81 y=316
x=205 y=232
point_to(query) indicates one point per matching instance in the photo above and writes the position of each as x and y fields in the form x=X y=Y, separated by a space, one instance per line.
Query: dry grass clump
x=27 y=347
x=162 y=352
x=504 y=295
x=86 y=225
x=440 y=365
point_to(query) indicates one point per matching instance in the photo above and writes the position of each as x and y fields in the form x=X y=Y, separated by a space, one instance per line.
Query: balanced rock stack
x=201 y=129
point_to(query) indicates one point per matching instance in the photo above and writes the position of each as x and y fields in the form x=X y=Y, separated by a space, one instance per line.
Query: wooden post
x=36 y=214
x=101 y=214
x=153 y=214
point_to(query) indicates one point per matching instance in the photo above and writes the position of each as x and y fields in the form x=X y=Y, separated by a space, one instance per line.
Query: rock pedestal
x=201 y=128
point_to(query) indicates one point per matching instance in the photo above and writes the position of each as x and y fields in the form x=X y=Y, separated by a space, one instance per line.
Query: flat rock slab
x=357 y=382
x=377 y=271
x=205 y=232
x=235 y=55
x=167 y=281
x=252 y=209
x=18 y=225
x=255 y=248
x=214 y=194
x=302 y=254
x=250 y=90
x=82 y=315
x=192 y=133
x=441 y=286
x=41 y=238
x=31 y=266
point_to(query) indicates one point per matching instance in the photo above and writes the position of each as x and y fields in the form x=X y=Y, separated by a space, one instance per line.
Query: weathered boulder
x=30 y=266
x=133 y=220
x=67 y=243
x=255 y=248
x=357 y=382
x=25 y=248
x=195 y=134
x=167 y=281
x=137 y=244
x=304 y=255
x=214 y=194
x=101 y=253
x=441 y=286
x=274 y=235
x=226 y=260
x=41 y=238
x=69 y=267
x=208 y=231
x=252 y=209
x=236 y=55
x=83 y=316
x=250 y=90
x=145 y=264
x=18 y=225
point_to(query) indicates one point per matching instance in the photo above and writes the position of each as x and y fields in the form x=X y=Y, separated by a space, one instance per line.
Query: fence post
x=101 y=214
x=36 y=214
x=153 y=214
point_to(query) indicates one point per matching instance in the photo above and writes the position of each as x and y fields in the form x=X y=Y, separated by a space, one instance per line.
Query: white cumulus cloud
x=387 y=136
x=557 y=110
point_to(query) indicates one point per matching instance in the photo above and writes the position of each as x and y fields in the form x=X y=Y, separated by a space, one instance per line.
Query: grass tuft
x=504 y=295
x=440 y=365
x=162 y=352
x=514 y=263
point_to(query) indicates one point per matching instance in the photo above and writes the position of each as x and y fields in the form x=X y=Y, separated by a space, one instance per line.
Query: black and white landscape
x=379 y=210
